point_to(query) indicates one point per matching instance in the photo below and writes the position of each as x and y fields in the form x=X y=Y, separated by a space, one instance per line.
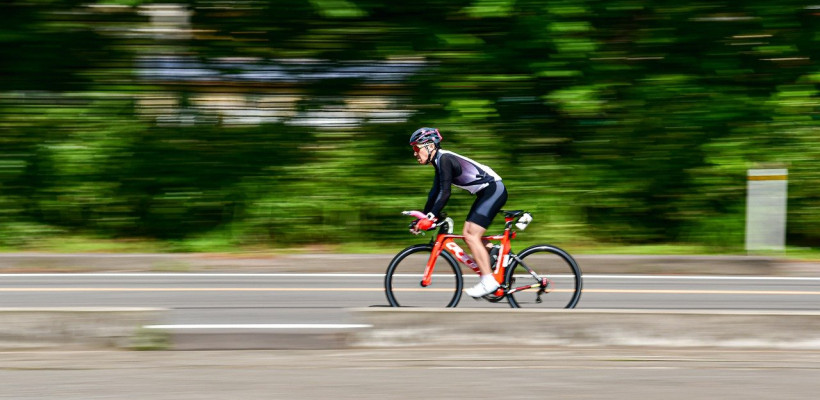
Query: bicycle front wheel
x=402 y=282
x=553 y=277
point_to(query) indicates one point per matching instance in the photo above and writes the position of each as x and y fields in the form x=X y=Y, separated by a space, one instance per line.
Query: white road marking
x=366 y=275
x=192 y=275
x=704 y=277
x=418 y=289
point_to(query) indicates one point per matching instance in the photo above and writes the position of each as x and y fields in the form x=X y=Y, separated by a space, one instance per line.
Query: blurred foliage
x=280 y=123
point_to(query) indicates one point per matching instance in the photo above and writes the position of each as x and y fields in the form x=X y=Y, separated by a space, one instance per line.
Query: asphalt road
x=428 y=373
x=519 y=372
x=270 y=298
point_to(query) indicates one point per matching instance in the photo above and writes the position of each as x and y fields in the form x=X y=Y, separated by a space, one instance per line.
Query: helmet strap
x=430 y=154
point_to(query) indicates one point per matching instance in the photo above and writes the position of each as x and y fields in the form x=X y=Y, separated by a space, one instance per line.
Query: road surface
x=403 y=373
x=435 y=373
x=271 y=298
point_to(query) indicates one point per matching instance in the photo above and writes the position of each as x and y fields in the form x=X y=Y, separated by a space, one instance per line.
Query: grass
x=78 y=244
x=145 y=339
x=656 y=249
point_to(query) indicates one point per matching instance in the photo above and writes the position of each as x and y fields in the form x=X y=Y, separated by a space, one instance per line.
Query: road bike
x=428 y=275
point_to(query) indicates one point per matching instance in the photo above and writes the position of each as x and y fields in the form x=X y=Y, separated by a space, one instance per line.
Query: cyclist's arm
x=448 y=169
x=431 y=197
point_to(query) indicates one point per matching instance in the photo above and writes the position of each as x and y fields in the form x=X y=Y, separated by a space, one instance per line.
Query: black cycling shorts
x=487 y=204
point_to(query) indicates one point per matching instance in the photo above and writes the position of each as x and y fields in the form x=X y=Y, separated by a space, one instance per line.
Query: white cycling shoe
x=483 y=288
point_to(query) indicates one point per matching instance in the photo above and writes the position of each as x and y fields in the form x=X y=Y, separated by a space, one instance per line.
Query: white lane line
x=704 y=277
x=366 y=275
x=697 y=291
x=194 y=289
x=260 y=326
x=190 y=275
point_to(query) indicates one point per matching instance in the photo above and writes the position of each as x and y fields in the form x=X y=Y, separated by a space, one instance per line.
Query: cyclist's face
x=421 y=152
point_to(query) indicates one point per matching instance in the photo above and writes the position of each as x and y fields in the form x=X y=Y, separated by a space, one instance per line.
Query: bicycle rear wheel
x=555 y=274
x=402 y=282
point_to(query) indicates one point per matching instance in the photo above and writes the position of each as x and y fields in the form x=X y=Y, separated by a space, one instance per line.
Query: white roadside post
x=766 y=209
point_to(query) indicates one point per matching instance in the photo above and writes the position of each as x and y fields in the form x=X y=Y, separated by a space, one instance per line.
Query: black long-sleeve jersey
x=457 y=170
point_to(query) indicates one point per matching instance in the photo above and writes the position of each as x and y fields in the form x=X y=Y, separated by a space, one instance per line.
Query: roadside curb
x=260 y=339
x=435 y=327
x=130 y=328
x=74 y=327
x=589 y=327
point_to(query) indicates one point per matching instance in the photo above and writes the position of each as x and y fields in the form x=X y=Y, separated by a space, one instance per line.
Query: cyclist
x=478 y=179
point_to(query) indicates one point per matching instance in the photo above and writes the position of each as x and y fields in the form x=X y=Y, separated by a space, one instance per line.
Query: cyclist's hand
x=413 y=229
x=426 y=224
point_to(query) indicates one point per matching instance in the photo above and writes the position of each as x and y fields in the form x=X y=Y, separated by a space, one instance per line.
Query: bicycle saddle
x=512 y=214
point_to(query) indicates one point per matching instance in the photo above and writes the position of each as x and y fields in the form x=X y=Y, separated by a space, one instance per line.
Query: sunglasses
x=417 y=148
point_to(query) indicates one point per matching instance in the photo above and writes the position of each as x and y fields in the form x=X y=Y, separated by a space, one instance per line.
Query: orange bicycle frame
x=446 y=241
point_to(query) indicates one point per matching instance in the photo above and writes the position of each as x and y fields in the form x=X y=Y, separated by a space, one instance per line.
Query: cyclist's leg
x=489 y=202
x=472 y=236
x=479 y=222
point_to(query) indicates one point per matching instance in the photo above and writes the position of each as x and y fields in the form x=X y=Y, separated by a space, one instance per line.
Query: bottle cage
x=525 y=220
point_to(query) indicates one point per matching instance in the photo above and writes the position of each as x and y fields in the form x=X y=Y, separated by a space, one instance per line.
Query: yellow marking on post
x=768 y=177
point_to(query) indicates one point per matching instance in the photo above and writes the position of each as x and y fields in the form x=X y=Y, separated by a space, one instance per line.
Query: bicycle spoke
x=405 y=273
x=544 y=277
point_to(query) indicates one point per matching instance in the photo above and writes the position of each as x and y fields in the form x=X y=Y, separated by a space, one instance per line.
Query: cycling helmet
x=424 y=136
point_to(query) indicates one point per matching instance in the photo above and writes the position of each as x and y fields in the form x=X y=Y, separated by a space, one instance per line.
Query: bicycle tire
x=402 y=281
x=549 y=262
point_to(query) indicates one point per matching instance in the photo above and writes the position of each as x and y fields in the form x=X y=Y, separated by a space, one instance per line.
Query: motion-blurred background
x=238 y=125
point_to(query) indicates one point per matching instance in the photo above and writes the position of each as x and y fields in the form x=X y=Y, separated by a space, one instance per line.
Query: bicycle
x=417 y=277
